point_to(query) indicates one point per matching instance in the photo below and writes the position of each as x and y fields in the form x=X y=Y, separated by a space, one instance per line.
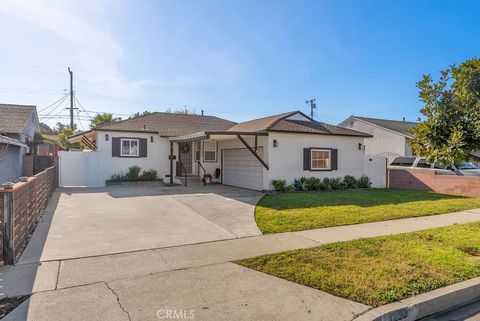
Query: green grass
x=304 y=211
x=380 y=270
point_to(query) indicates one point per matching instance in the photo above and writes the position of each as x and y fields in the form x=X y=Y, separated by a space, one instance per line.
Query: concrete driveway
x=92 y=222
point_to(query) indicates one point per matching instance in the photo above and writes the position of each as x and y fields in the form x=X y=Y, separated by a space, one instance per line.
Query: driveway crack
x=118 y=300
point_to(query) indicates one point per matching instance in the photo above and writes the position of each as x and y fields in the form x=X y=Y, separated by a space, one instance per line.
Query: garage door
x=242 y=169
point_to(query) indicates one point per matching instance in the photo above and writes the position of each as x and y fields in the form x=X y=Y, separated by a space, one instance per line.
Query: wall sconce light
x=275 y=143
x=106 y=137
x=151 y=139
x=359 y=146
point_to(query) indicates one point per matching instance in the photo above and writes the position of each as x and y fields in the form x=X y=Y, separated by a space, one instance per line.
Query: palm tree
x=102 y=119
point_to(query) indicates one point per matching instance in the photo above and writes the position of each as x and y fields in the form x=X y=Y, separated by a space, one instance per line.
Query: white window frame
x=329 y=158
x=209 y=149
x=130 y=154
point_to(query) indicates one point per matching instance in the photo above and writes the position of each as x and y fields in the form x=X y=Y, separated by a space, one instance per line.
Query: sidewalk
x=195 y=277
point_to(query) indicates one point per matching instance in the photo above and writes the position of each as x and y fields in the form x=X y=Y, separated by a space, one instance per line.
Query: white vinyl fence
x=375 y=167
x=81 y=169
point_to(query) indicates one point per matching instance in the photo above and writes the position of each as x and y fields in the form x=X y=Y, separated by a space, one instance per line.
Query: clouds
x=82 y=28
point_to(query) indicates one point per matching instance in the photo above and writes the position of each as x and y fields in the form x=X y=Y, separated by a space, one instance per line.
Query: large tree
x=102 y=119
x=452 y=110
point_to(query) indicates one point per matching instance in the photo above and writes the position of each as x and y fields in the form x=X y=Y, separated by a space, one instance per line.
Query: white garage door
x=242 y=169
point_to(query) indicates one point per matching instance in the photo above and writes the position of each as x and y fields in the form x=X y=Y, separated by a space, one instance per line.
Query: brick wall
x=429 y=180
x=23 y=205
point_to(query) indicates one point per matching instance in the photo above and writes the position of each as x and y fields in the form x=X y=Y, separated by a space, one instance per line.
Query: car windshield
x=466 y=165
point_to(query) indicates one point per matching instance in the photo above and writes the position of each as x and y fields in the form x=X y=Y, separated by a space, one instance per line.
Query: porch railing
x=182 y=168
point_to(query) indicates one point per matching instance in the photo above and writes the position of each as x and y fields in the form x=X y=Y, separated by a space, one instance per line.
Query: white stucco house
x=249 y=154
x=389 y=138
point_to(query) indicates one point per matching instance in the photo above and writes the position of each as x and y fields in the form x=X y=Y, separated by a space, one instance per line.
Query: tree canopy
x=452 y=110
x=102 y=119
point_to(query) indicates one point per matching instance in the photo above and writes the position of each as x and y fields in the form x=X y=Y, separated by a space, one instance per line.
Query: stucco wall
x=157 y=154
x=10 y=163
x=286 y=160
x=382 y=142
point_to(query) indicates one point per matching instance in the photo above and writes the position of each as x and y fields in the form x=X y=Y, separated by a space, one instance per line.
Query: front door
x=185 y=152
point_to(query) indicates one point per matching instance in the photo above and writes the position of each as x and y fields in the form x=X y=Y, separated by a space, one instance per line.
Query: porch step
x=191 y=180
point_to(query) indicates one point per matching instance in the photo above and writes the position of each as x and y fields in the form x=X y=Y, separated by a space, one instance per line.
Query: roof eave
x=313 y=133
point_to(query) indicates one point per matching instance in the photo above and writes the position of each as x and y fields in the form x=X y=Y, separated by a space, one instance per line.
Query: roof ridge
x=288 y=114
x=383 y=119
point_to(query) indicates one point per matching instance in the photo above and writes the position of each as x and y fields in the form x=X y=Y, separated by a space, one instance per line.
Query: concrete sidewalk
x=195 y=277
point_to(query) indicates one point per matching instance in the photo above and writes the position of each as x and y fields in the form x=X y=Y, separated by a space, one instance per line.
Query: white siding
x=286 y=160
x=384 y=142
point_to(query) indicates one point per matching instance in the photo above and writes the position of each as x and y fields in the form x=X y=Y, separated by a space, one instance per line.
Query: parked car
x=461 y=169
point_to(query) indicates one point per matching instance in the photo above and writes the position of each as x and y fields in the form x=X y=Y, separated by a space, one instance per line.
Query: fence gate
x=80 y=169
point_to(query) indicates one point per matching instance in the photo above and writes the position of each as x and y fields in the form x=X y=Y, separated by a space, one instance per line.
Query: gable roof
x=14 y=118
x=291 y=122
x=399 y=126
x=169 y=124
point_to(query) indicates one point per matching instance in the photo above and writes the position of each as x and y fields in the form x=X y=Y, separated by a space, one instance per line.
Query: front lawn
x=303 y=211
x=380 y=270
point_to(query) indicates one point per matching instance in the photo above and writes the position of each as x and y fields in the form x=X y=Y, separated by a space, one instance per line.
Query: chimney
x=202 y=112
x=403 y=118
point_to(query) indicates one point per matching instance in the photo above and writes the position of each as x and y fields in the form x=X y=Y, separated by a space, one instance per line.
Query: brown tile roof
x=260 y=124
x=169 y=124
x=314 y=127
x=14 y=118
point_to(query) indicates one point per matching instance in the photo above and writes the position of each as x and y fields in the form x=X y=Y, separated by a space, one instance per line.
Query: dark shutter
x=143 y=147
x=115 y=146
x=306 y=159
x=334 y=159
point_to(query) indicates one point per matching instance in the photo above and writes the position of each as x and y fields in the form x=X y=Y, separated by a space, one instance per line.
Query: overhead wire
x=59 y=104
x=63 y=97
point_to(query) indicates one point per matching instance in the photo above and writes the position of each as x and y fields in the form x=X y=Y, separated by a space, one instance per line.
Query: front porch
x=235 y=159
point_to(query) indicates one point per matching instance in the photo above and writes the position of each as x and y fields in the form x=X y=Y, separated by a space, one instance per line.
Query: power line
x=63 y=97
x=51 y=111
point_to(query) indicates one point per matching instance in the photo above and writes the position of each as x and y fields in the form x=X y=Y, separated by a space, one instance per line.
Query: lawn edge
x=427 y=303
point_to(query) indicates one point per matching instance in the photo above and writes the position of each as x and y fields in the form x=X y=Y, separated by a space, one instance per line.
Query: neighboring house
x=249 y=154
x=11 y=156
x=50 y=146
x=390 y=138
x=18 y=125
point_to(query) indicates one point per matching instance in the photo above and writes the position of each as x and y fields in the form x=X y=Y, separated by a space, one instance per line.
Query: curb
x=426 y=304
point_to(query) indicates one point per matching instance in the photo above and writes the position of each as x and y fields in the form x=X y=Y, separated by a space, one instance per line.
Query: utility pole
x=71 y=98
x=312 y=106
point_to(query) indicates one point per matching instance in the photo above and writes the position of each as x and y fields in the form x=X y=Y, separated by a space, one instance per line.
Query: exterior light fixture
x=275 y=143
x=151 y=139
x=359 y=146
x=106 y=137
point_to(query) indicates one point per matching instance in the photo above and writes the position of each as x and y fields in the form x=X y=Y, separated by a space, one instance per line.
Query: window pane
x=125 y=147
x=134 y=148
x=209 y=156
x=320 y=159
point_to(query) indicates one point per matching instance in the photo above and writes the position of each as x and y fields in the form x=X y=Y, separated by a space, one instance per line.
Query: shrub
x=336 y=183
x=279 y=185
x=300 y=184
x=150 y=175
x=313 y=184
x=117 y=178
x=364 y=182
x=350 y=181
x=326 y=184
x=133 y=173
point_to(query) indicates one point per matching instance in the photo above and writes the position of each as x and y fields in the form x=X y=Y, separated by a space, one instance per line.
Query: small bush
x=117 y=178
x=150 y=175
x=133 y=173
x=300 y=184
x=326 y=184
x=350 y=181
x=279 y=185
x=313 y=184
x=364 y=182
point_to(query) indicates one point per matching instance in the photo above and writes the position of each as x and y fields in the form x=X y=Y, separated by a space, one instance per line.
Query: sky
x=237 y=60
